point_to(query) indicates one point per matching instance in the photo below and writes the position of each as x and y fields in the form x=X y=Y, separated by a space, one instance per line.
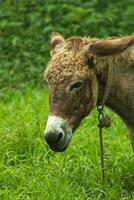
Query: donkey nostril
x=60 y=136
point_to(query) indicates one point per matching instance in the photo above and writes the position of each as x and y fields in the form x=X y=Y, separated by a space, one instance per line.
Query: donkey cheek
x=75 y=121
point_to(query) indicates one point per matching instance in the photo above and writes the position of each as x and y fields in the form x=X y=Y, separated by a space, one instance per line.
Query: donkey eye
x=74 y=87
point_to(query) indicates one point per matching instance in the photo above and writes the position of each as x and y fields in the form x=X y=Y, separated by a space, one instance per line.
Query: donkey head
x=71 y=76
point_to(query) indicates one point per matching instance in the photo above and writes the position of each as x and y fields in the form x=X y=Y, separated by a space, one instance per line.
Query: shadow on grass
x=127 y=182
x=127 y=179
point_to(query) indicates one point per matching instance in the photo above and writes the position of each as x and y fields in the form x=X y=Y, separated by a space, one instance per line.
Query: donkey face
x=72 y=86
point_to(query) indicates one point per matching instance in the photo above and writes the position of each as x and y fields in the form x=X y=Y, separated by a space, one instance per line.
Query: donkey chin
x=57 y=133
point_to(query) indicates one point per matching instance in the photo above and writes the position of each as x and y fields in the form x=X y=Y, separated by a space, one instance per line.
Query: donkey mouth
x=57 y=148
x=57 y=141
x=57 y=133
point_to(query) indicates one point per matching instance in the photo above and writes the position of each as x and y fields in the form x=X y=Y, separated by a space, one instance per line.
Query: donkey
x=78 y=79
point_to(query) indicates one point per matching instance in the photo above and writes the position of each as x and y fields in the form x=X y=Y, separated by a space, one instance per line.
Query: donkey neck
x=121 y=96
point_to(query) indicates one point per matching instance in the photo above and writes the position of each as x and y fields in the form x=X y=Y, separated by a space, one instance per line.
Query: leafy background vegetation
x=28 y=168
x=25 y=28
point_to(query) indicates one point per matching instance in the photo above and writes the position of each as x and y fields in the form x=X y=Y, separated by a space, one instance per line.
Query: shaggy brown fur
x=87 y=59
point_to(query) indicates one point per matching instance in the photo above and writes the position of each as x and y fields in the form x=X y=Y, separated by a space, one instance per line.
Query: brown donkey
x=80 y=73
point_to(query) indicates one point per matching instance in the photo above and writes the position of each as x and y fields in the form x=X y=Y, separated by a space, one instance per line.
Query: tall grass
x=30 y=170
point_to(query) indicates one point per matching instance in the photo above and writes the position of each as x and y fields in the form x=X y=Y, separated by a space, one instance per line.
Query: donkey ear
x=56 y=40
x=110 y=46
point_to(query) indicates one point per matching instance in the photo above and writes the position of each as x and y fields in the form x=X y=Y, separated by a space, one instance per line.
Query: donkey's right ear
x=56 y=41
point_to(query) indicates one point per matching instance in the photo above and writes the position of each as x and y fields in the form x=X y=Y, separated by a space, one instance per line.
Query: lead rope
x=100 y=116
x=104 y=121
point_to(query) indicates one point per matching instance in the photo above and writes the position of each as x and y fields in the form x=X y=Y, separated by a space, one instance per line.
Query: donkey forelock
x=67 y=60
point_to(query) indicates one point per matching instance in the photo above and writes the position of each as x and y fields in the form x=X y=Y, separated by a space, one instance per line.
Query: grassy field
x=30 y=170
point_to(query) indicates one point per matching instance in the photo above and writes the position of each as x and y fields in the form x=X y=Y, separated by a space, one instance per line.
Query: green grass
x=30 y=170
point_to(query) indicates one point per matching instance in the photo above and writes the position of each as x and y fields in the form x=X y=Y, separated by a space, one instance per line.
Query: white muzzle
x=57 y=133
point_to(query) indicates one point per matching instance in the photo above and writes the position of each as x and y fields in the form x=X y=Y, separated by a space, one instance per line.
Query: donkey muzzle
x=57 y=133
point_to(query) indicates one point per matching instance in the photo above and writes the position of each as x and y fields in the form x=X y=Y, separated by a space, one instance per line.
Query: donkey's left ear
x=111 y=46
x=56 y=41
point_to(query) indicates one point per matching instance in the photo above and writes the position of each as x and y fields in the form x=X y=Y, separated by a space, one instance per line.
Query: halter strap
x=108 y=85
